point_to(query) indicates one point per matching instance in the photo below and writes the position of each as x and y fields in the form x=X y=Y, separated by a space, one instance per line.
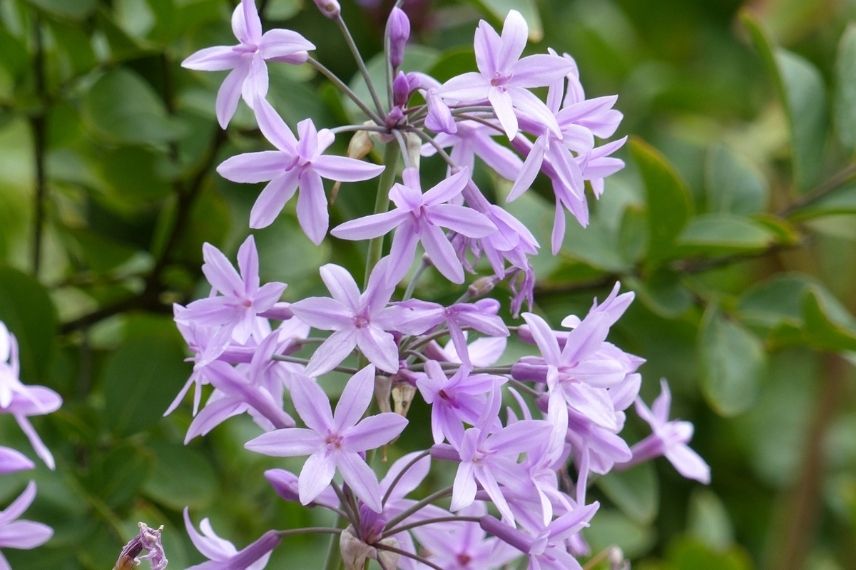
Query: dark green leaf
x=709 y=521
x=143 y=376
x=614 y=529
x=635 y=491
x=117 y=475
x=845 y=89
x=183 y=477
x=803 y=94
x=121 y=107
x=733 y=364
x=29 y=314
x=667 y=198
x=827 y=325
x=723 y=233
x=71 y=9
x=733 y=184
x=663 y=293
x=691 y=554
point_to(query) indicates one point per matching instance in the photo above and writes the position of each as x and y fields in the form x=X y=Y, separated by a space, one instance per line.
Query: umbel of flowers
x=522 y=439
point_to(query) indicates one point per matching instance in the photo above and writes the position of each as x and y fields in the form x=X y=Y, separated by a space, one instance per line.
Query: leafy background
x=734 y=224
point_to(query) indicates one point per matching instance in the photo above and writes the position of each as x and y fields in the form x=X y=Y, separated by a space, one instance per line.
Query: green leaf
x=733 y=184
x=775 y=302
x=121 y=107
x=635 y=491
x=723 y=233
x=142 y=377
x=709 y=520
x=71 y=9
x=845 y=89
x=667 y=197
x=117 y=475
x=183 y=477
x=27 y=311
x=498 y=10
x=663 y=293
x=691 y=554
x=614 y=529
x=827 y=325
x=803 y=94
x=733 y=363
x=840 y=202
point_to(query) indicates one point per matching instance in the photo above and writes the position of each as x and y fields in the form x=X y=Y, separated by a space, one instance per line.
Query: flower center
x=333 y=441
x=246 y=48
x=499 y=80
x=464 y=559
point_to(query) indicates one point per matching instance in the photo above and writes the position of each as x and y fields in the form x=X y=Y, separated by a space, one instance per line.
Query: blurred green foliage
x=734 y=223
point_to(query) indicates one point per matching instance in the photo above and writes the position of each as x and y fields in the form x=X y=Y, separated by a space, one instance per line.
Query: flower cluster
x=518 y=440
x=21 y=401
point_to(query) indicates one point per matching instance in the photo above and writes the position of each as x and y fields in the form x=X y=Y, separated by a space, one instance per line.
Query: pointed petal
x=281 y=43
x=442 y=254
x=464 y=487
x=323 y=313
x=312 y=405
x=468 y=87
x=513 y=41
x=331 y=353
x=230 y=93
x=544 y=338
x=315 y=477
x=540 y=70
x=272 y=199
x=529 y=170
x=361 y=479
x=504 y=109
x=379 y=347
x=274 y=129
x=256 y=84
x=312 y=207
x=24 y=535
x=370 y=226
x=462 y=220
x=688 y=463
x=345 y=169
x=374 y=431
x=253 y=167
x=217 y=58
x=248 y=265
x=341 y=285
x=447 y=189
x=20 y=505
x=355 y=399
x=290 y=442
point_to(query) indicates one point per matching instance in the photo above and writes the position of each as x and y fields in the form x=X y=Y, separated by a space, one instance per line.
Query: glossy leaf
x=73 y=10
x=803 y=93
x=29 y=314
x=733 y=364
x=733 y=184
x=723 y=233
x=635 y=491
x=667 y=198
x=845 y=89
x=826 y=326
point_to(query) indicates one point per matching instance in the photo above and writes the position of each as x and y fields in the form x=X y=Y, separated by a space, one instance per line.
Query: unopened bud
x=329 y=8
x=400 y=90
x=402 y=396
x=398 y=31
x=482 y=286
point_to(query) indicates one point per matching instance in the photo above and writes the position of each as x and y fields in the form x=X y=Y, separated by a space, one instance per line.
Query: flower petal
x=273 y=198
x=312 y=207
x=323 y=313
x=315 y=477
x=312 y=405
x=289 y=442
x=281 y=43
x=379 y=347
x=360 y=478
x=374 y=431
x=462 y=220
x=217 y=58
x=230 y=93
x=331 y=353
x=345 y=169
x=355 y=399
x=504 y=110
x=442 y=254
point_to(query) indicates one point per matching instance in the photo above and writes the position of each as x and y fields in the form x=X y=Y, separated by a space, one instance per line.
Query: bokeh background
x=742 y=117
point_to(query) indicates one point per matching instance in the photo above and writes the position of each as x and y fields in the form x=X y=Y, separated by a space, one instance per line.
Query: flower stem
x=352 y=45
x=425 y=522
x=401 y=473
x=390 y=160
x=419 y=506
x=343 y=87
x=408 y=555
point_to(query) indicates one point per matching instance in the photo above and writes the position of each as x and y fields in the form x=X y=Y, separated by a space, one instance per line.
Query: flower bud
x=398 y=31
x=329 y=8
x=400 y=90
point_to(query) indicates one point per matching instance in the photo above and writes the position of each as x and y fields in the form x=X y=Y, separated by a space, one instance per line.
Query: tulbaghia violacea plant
x=516 y=476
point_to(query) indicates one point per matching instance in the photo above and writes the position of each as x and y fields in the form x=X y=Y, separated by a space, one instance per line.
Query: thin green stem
x=38 y=122
x=390 y=161
x=309 y=530
x=412 y=285
x=343 y=87
x=361 y=64
x=419 y=506
x=295 y=360
x=401 y=473
x=425 y=522
x=410 y=555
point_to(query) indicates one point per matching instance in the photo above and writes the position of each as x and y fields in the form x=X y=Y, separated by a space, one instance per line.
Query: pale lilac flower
x=480 y=316
x=464 y=545
x=222 y=554
x=489 y=457
x=503 y=78
x=419 y=218
x=241 y=296
x=359 y=320
x=483 y=352
x=295 y=164
x=246 y=60
x=21 y=400
x=471 y=139
x=670 y=439
x=334 y=441
x=456 y=400
x=21 y=534
x=286 y=484
x=12 y=461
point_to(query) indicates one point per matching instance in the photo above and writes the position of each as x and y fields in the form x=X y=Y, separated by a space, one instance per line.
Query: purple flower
x=248 y=75
x=21 y=534
x=222 y=554
x=397 y=32
x=295 y=164
x=670 y=438
x=455 y=400
x=334 y=441
x=21 y=400
x=241 y=296
x=480 y=316
x=359 y=320
x=12 y=461
x=419 y=218
x=485 y=351
x=503 y=78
